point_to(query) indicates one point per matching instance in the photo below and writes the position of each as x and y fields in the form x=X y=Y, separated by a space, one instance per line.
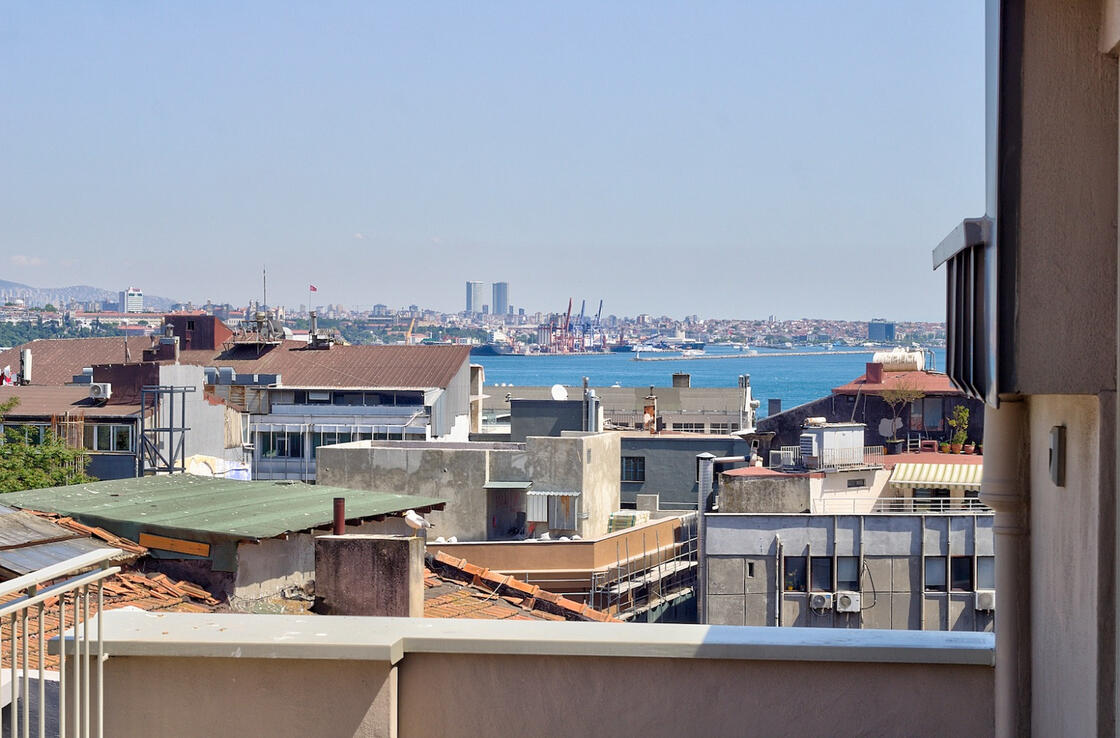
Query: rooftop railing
x=31 y=603
x=904 y=505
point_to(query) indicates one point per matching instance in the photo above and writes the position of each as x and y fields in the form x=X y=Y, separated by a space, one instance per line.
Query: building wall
x=670 y=465
x=787 y=493
x=265 y=569
x=544 y=418
x=214 y=427
x=1065 y=528
x=458 y=475
x=588 y=462
x=892 y=549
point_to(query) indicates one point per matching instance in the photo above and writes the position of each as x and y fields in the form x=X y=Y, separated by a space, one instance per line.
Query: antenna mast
x=264 y=288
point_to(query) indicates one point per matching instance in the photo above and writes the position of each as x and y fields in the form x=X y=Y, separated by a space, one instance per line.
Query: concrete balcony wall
x=236 y=675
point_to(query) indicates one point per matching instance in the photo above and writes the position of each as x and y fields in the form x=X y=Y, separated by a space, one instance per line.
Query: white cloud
x=360 y=236
x=26 y=261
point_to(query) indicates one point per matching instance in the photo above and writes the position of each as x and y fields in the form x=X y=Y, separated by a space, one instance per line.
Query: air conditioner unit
x=848 y=602
x=986 y=599
x=820 y=601
x=100 y=391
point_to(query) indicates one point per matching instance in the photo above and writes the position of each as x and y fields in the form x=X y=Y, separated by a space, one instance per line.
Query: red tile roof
x=454 y=588
x=932 y=383
x=153 y=593
x=57 y=360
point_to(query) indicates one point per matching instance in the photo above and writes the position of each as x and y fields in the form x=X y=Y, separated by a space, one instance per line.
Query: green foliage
x=959 y=424
x=898 y=397
x=13 y=334
x=33 y=463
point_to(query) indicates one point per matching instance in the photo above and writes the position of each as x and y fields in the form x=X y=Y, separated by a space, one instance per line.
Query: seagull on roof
x=416 y=521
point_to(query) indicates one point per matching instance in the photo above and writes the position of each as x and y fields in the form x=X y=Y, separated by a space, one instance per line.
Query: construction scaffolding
x=162 y=444
x=636 y=586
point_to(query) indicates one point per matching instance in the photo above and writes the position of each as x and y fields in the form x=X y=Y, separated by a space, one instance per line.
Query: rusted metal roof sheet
x=38 y=401
x=57 y=360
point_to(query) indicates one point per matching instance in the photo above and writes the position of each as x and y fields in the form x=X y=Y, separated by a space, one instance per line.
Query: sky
x=734 y=159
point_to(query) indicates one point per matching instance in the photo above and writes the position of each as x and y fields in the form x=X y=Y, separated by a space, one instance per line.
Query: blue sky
x=727 y=159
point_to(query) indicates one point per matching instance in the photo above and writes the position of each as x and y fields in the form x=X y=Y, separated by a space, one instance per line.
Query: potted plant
x=898 y=397
x=959 y=424
x=943 y=447
x=969 y=448
x=980 y=449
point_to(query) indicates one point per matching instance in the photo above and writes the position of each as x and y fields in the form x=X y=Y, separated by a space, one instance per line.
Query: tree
x=29 y=463
x=959 y=424
x=898 y=397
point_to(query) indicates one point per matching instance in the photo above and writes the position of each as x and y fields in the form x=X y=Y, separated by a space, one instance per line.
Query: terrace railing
x=39 y=606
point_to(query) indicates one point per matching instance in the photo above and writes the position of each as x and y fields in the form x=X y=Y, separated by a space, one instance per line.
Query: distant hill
x=39 y=296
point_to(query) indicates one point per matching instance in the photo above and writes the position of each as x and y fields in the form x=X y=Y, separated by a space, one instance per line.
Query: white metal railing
x=839 y=458
x=903 y=505
x=56 y=588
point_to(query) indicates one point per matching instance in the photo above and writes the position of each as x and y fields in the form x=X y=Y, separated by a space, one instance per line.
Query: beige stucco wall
x=216 y=697
x=1064 y=532
x=548 y=696
x=266 y=568
x=588 y=462
x=830 y=492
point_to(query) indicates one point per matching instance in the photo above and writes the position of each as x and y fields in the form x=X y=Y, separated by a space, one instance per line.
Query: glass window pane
x=935 y=574
x=104 y=438
x=87 y=437
x=122 y=440
x=985 y=572
x=916 y=423
x=960 y=573
x=821 y=573
x=795 y=574
x=847 y=573
x=933 y=419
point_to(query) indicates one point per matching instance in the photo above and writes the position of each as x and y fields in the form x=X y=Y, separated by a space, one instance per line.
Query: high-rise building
x=500 y=303
x=474 y=297
x=131 y=301
x=880 y=330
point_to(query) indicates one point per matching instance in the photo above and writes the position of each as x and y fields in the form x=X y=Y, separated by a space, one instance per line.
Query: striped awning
x=938 y=476
x=537 y=503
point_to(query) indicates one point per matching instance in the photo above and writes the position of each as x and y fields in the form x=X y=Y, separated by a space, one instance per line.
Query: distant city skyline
x=718 y=159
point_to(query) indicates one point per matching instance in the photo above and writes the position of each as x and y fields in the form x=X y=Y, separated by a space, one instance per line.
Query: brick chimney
x=369 y=575
x=874 y=373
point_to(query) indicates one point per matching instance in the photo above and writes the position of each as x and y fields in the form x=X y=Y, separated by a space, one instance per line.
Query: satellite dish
x=558 y=392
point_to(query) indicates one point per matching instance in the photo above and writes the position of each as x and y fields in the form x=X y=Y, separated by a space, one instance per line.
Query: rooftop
x=932 y=383
x=57 y=360
x=210 y=508
x=454 y=588
x=37 y=401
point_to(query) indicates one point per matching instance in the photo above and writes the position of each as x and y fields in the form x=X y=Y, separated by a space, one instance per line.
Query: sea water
x=790 y=376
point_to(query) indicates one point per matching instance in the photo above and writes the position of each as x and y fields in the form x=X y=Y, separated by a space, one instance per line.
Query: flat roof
x=209 y=507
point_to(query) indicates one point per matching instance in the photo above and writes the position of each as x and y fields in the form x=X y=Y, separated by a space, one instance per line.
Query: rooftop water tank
x=900 y=360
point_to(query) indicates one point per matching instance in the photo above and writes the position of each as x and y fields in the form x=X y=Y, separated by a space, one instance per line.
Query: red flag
x=312 y=288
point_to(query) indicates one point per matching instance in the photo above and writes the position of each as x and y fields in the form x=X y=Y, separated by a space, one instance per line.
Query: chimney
x=682 y=380
x=874 y=373
x=369 y=575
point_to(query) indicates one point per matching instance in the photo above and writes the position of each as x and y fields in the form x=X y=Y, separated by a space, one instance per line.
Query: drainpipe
x=778 y=580
x=339 y=516
x=703 y=493
x=1006 y=489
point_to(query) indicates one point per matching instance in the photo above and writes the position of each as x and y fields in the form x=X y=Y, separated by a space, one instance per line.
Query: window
x=794 y=574
x=329 y=438
x=633 y=468
x=750 y=570
x=279 y=444
x=820 y=574
x=32 y=435
x=847 y=573
x=960 y=573
x=719 y=427
x=689 y=427
x=854 y=483
x=108 y=438
x=190 y=325
x=935 y=574
x=931 y=499
x=926 y=415
x=985 y=572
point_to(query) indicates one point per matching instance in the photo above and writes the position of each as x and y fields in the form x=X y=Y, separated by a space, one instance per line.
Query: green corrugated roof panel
x=211 y=506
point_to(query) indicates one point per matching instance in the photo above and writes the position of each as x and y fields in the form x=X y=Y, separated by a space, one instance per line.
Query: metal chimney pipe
x=314 y=324
x=339 y=516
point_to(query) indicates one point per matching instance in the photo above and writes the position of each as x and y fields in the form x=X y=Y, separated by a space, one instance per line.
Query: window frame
x=633 y=469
